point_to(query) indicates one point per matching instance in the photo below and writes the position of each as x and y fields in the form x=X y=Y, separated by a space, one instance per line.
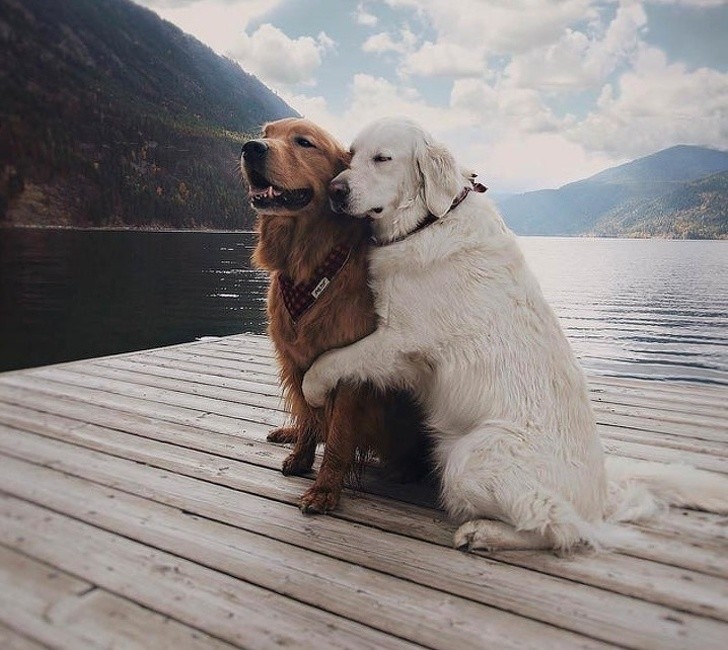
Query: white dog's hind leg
x=491 y=472
x=491 y=535
x=538 y=519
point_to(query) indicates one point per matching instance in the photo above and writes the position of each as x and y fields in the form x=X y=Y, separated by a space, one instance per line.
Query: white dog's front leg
x=375 y=358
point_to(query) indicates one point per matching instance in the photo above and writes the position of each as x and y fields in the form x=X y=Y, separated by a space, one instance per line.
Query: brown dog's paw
x=284 y=435
x=295 y=465
x=319 y=501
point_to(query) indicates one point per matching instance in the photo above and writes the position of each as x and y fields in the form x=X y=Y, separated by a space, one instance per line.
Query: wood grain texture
x=185 y=534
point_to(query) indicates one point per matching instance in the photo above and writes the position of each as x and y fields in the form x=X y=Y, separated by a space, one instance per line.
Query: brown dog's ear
x=343 y=160
x=441 y=177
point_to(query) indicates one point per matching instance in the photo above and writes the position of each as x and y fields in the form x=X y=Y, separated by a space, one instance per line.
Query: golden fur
x=354 y=421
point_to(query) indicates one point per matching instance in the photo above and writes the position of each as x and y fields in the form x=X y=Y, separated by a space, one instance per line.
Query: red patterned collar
x=298 y=298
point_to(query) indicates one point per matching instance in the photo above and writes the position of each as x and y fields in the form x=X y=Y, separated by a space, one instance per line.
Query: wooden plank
x=225 y=607
x=151 y=365
x=249 y=452
x=22 y=390
x=183 y=408
x=151 y=409
x=278 y=418
x=238 y=362
x=190 y=383
x=596 y=612
x=261 y=347
x=187 y=361
x=147 y=373
x=73 y=402
x=666 y=440
x=696 y=417
x=262 y=454
x=670 y=396
x=392 y=553
x=674 y=389
x=698 y=430
x=689 y=403
x=186 y=383
x=379 y=600
x=228 y=407
x=10 y=639
x=54 y=608
x=665 y=455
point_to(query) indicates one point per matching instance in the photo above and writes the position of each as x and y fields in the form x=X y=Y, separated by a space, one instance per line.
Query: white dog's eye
x=382 y=158
x=303 y=142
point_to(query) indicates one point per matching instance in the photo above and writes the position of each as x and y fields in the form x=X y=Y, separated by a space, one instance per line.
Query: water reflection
x=640 y=308
x=69 y=294
x=647 y=308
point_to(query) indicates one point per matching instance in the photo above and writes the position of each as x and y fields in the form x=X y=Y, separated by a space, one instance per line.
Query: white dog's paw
x=314 y=386
x=469 y=537
x=492 y=535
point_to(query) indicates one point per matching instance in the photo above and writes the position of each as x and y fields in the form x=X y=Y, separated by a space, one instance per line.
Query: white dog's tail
x=641 y=489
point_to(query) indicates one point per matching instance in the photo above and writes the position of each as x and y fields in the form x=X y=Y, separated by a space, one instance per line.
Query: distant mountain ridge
x=599 y=204
x=694 y=210
x=112 y=116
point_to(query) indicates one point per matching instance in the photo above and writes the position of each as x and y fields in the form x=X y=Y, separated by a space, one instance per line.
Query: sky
x=530 y=93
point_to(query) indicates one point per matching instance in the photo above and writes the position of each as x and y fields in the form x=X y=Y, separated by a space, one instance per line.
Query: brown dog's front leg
x=339 y=454
x=284 y=435
x=300 y=460
x=305 y=433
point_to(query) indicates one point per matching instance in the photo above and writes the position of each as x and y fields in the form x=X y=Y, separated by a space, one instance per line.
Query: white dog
x=464 y=326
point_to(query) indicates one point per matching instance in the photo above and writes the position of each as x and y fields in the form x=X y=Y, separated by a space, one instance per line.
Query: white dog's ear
x=441 y=175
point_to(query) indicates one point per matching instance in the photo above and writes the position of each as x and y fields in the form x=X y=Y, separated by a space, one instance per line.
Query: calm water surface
x=635 y=308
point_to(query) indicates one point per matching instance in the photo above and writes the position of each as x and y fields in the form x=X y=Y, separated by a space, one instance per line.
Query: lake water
x=634 y=308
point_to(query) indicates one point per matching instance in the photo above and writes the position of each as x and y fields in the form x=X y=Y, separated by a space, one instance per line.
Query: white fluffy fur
x=465 y=327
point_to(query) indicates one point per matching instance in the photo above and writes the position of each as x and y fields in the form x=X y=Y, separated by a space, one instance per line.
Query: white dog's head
x=398 y=175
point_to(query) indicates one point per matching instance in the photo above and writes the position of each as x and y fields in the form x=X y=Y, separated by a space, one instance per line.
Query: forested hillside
x=696 y=210
x=672 y=193
x=110 y=116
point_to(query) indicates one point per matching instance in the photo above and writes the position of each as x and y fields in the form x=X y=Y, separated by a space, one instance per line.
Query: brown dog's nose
x=254 y=150
x=338 y=190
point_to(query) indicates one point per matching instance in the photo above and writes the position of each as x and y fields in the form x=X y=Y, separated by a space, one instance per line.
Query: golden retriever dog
x=464 y=325
x=319 y=299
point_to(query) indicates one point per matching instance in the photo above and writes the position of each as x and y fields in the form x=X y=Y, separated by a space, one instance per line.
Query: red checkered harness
x=298 y=298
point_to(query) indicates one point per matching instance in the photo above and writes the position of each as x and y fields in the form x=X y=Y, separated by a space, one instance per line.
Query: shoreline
x=24 y=226
x=16 y=226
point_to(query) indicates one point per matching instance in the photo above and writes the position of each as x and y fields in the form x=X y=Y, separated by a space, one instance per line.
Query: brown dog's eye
x=303 y=142
x=381 y=158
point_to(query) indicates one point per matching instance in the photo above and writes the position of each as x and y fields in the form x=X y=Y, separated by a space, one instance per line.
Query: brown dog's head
x=289 y=168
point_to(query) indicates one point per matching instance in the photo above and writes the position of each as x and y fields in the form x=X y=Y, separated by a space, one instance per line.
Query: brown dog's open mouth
x=264 y=195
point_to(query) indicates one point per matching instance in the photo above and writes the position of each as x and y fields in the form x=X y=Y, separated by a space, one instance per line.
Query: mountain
x=695 y=210
x=579 y=208
x=111 y=116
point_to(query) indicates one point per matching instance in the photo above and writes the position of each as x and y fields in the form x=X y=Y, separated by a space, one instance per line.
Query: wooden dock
x=141 y=507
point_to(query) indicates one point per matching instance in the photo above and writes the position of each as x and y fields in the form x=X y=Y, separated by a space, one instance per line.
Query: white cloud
x=443 y=59
x=503 y=108
x=371 y=97
x=691 y=3
x=522 y=162
x=498 y=27
x=215 y=22
x=576 y=60
x=363 y=17
x=383 y=42
x=512 y=66
x=278 y=59
x=656 y=105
